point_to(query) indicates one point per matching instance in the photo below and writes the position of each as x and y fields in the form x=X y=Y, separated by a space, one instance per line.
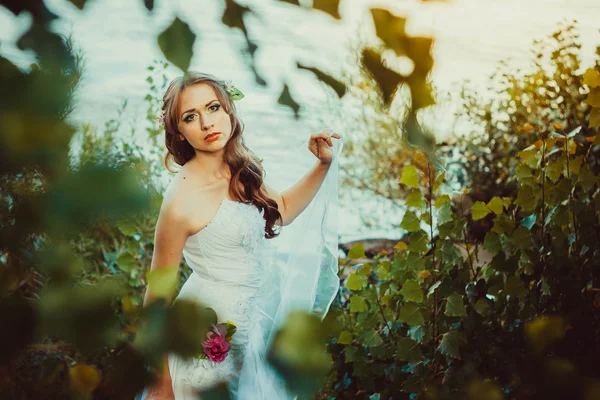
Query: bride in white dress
x=222 y=217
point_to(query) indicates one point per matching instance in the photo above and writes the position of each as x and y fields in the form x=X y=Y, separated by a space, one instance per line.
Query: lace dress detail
x=225 y=257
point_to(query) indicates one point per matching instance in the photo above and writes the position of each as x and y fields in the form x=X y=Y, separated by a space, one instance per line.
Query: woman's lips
x=212 y=137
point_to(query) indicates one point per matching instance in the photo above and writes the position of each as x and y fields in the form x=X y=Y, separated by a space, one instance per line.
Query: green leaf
x=411 y=291
x=126 y=262
x=149 y=4
x=503 y=225
x=354 y=282
x=479 y=210
x=595 y=120
x=433 y=288
x=591 y=77
x=526 y=198
x=527 y=153
x=586 y=179
x=79 y=3
x=426 y=217
x=560 y=192
x=450 y=255
x=386 y=79
x=445 y=214
x=543 y=331
x=555 y=168
x=529 y=221
x=492 y=243
x=482 y=307
x=410 y=176
x=521 y=238
x=127 y=228
x=328 y=6
x=409 y=350
x=370 y=337
x=350 y=354
x=496 y=205
x=514 y=287
x=233 y=16
x=440 y=201
x=450 y=344
x=455 y=306
x=411 y=314
x=410 y=222
x=336 y=85
x=390 y=29
x=345 y=338
x=438 y=182
x=524 y=176
x=593 y=98
x=418 y=242
x=357 y=251
x=414 y=199
x=162 y=282
x=176 y=43
x=383 y=271
x=286 y=99
x=357 y=304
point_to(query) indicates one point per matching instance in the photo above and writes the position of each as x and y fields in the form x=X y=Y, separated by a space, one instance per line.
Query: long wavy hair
x=246 y=168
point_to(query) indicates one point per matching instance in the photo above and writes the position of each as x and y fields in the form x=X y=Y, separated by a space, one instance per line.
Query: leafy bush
x=434 y=320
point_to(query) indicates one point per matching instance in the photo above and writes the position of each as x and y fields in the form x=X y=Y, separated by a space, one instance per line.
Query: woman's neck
x=210 y=165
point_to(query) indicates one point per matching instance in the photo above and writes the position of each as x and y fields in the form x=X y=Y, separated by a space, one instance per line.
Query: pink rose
x=216 y=345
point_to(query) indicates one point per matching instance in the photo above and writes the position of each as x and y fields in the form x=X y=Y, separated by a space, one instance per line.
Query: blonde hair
x=246 y=168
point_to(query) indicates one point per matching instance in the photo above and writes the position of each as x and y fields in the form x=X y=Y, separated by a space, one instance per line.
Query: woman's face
x=202 y=118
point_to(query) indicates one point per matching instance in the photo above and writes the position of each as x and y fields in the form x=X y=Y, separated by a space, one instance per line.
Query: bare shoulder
x=190 y=203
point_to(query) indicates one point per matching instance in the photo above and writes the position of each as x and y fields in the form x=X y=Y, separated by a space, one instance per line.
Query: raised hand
x=320 y=144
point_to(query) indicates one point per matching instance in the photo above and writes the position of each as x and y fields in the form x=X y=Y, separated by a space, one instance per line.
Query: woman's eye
x=190 y=118
x=215 y=107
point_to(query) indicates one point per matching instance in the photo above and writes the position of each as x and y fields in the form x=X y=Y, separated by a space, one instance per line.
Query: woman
x=220 y=215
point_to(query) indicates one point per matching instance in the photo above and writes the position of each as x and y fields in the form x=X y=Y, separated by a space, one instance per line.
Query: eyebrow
x=193 y=109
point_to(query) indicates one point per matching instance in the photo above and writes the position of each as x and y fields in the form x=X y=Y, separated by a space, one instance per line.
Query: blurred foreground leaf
x=298 y=353
x=176 y=43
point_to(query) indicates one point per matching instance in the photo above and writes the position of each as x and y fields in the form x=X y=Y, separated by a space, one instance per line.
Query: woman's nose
x=206 y=124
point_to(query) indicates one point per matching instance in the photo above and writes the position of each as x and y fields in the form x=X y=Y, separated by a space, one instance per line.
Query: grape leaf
x=345 y=338
x=410 y=222
x=410 y=176
x=415 y=199
x=411 y=291
x=354 y=282
x=455 y=306
x=357 y=251
x=450 y=344
x=409 y=350
x=479 y=210
x=411 y=315
x=418 y=242
x=496 y=205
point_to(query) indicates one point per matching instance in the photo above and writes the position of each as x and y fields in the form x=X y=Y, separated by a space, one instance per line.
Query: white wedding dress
x=255 y=282
x=227 y=262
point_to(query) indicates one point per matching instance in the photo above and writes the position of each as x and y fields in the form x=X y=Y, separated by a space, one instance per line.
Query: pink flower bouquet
x=217 y=344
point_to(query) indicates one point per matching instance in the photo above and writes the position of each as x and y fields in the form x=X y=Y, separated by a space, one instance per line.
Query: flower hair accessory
x=234 y=92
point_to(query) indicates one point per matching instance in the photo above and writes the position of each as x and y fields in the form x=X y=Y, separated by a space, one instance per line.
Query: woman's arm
x=169 y=239
x=294 y=200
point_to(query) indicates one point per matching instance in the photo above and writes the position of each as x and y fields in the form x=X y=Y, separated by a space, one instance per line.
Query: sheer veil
x=301 y=273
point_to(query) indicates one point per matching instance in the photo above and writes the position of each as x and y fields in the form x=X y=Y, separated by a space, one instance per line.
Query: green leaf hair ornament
x=234 y=92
